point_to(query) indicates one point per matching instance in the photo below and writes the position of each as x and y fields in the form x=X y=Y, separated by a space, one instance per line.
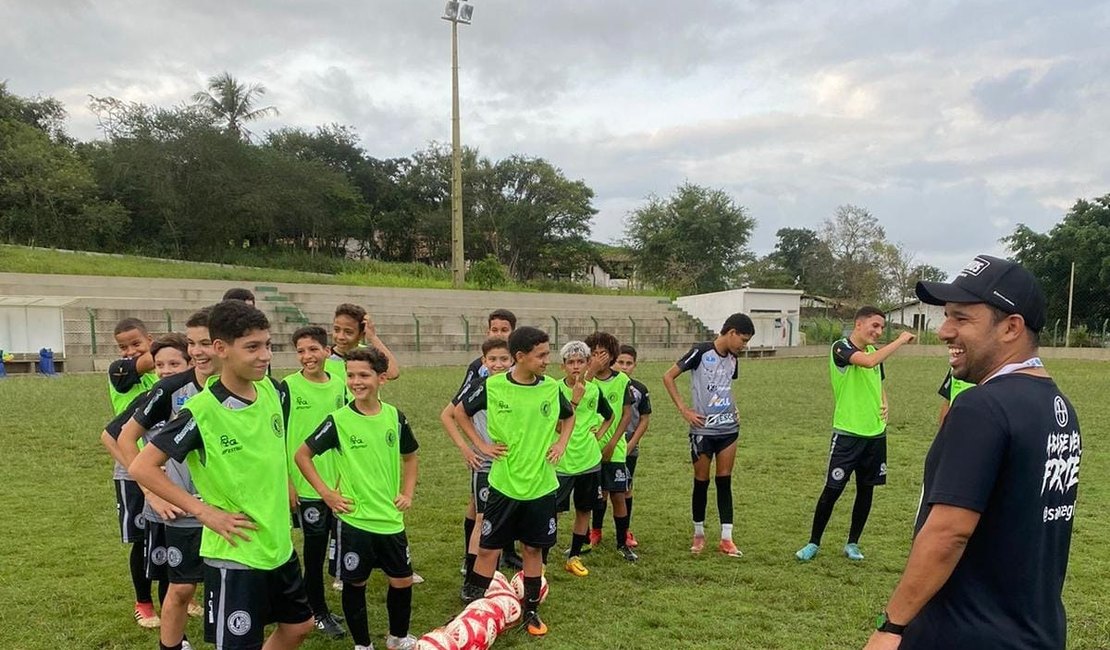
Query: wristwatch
x=884 y=624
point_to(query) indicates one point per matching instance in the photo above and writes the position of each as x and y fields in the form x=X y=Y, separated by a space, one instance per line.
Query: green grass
x=63 y=576
x=270 y=268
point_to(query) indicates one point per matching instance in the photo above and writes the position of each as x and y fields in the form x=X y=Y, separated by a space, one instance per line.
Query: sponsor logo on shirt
x=150 y=403
x=276 y=426
x=229 y=445
x=356 y=442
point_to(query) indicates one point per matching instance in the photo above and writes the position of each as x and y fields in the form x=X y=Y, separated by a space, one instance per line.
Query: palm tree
x=232 y=102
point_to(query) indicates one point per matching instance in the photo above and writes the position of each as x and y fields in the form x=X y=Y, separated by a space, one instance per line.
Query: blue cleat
x=853 y=552
x=807 y=552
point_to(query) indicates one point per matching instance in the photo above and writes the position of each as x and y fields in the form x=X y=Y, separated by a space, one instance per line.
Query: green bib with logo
x=120 y=401
x=582 y=454
x=614 y=390
x=858 y=393
x=956 y=387
x=243 y=468
x=309 y=403
x=524 y=418
x=369 y=464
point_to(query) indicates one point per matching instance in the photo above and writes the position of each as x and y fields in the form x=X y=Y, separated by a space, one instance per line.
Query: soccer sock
x=621 y=524
x=628 y=504
x=138 y=575
x=163 y=588
x=697 y=505
x=163 y=646
x=532 y=593
x=398 y=603
x=315 y=550
x=354 y=611
x=599 y=515
x=468 y=530
x=724 y=498
x=823 y=512
x=470 y=560
x=543 y=554
x=476 y=579
x=726 y=532
x=576 y=543
x=860 y=510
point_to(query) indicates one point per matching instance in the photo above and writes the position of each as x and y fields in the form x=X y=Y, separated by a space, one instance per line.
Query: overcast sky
x=952 y=121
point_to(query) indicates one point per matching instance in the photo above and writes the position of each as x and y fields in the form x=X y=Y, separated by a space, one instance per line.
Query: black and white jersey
x=711 y=375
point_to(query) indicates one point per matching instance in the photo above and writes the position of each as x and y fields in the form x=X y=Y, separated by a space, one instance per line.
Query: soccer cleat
x=533 y=625
x=330 y=627
x=195 y=610
x=398 y=643
x=470 y=593
x=630 y=541
x=365 y=647
x=574 y=566
x=698 y=545
x=729 y=548
x=595 y=537
x=628 y=554
x=807 y=552
x=417 y=579
x=185 y=645
x=852 y=552
x=145 y=616
x=512 y=560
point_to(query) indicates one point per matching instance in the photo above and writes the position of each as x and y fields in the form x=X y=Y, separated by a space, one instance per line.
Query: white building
x=917 y=315
x=774 y=313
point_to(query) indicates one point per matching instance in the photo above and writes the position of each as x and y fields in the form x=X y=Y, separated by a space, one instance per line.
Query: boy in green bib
x=313 y=393
x=352 y=328
x=949 y=389
x=529 y=423
x=579 y=470
x=232 y=437
x=376 y=469
x=859 y=427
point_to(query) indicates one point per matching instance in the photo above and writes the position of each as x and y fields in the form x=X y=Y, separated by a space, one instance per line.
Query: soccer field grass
x=63 y=572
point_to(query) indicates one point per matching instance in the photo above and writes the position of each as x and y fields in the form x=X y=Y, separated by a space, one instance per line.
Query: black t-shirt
x=115 y=427
x=124 y=374
x=473 y=374
x=326 y=435
x=162 y=398
x=1010 y=451
x=475 y=401
x=842 y=352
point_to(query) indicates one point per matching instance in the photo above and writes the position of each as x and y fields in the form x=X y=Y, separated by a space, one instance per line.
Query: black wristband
x=884 y=624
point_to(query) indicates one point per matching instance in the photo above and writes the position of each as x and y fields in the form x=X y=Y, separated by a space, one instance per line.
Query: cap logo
x=977 y=266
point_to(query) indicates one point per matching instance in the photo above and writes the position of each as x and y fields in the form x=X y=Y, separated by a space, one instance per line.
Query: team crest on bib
x=339 y=401
x=239 y=622
x=312 y=515
x=276 y=426
x=158 y=555
x=350 y=561
x=174 y=556
x=838 y=474
x=390 y=437
x=545 y=409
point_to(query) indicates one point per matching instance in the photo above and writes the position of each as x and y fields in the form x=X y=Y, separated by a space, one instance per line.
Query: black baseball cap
x=1000 y=283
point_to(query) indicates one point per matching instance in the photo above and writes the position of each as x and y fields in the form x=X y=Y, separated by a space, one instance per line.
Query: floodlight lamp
x=466 y=13
x=451 y=11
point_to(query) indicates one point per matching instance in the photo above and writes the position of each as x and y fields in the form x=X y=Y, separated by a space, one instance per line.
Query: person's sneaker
x=630 y=540
x=512 y=560
x=145 y=616
x=595 y=537
x=627 y=553
x=335 y=617
x=398 y=643
x=586 y=549
x=698 y=545
x=330 y=627
x=729 y=548
x=533 y=625
x=470 y=593
x=574 y=566
x=852 y=552
x=365 y=647
x=185 y=645
x=807 y=552
x=337 y=584
x=417 y=579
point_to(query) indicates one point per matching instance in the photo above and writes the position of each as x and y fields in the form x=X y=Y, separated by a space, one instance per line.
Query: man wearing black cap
x=993 y=531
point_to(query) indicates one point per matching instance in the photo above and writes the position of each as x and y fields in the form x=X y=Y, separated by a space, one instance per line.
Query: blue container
x=46 y=362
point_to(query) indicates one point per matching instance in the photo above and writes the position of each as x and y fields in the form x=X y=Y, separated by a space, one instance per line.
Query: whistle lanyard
x=1011 y=368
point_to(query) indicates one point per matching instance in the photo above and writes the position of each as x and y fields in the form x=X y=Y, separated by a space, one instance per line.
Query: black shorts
x=129 y=509
x=479 y=490
x=585 y=487
x=864 y=456
x=183 y=562
x=154 y=552
x=710 y=445
x=506 y=519
x=614 y=477
x=359 y=552
x=630 y=462
x=240 y=603
x=314 y=517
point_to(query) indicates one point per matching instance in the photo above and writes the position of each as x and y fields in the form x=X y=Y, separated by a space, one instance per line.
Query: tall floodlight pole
x=456 y=12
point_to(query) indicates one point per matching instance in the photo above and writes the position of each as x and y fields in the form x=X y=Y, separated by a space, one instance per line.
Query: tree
x=929 y=273
x=693 y=241
x=1082 y=237
x=806 y=259
x=233 y=103
x=856 y=241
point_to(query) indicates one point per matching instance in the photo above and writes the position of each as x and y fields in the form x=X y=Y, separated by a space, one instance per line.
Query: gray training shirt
x=711 y=378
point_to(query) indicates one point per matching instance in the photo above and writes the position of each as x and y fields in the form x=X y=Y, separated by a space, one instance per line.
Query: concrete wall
x=774 y=313
x=934 y=315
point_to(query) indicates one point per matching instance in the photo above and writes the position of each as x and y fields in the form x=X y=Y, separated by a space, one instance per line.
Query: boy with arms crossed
x=232 y=437
x=524 y=409
x=714 y=422
x=637 y=424
x=375 y=457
